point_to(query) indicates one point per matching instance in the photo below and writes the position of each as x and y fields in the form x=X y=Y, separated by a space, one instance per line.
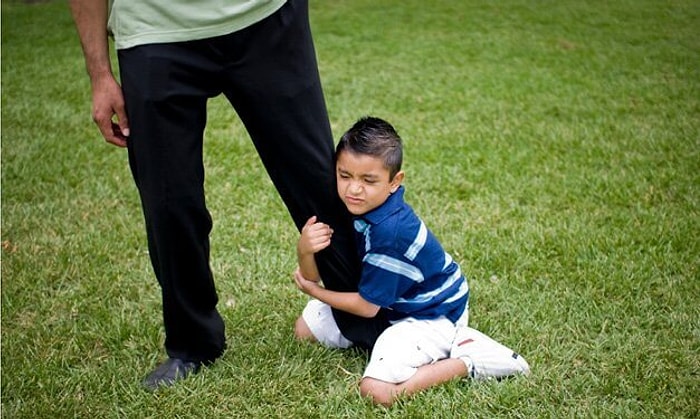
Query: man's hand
x=315 y=236
x=108 y=102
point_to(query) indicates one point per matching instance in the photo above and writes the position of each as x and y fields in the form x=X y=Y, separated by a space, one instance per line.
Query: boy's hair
x=374 y=137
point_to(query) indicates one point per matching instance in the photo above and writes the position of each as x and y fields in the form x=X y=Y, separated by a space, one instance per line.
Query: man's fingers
x=110 y=130
x=122 y=121
x=113 y=134
x=118 y=136
x=109 y=111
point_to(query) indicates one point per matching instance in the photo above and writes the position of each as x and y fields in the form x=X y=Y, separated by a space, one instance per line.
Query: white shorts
x=319 y=317
x=399 y=351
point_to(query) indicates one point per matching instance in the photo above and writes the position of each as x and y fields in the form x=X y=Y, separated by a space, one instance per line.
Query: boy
x=406 y=276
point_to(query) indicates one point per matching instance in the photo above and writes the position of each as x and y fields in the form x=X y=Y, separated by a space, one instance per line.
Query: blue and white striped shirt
x=404 y=267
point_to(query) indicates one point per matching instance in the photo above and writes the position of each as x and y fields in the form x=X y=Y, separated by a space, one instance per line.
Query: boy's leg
x=408 y=357
x=426 y=376
x=317 y=323
x=485 y=357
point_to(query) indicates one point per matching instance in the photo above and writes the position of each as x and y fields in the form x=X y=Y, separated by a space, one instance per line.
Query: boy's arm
x=314 y=237
x=350 y=302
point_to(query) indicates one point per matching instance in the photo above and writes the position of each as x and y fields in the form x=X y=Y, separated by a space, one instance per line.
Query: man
x=173 y=56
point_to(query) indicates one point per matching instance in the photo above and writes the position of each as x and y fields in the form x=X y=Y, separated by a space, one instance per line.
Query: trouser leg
x=167 y=115
x=275 y=88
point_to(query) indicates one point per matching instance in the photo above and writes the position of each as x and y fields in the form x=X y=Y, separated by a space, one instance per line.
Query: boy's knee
x=302 y=331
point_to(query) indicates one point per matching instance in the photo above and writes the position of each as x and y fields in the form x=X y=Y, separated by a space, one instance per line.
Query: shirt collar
x=393 y=203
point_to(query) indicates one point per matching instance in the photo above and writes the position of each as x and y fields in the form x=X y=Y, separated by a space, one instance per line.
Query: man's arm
x=350 y=302
x=90 y=18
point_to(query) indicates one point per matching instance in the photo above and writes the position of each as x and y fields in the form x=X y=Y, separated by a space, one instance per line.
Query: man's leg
x=167 y=114
x=275 y=88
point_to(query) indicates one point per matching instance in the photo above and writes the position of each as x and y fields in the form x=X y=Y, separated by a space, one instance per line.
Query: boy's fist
x=315 y=236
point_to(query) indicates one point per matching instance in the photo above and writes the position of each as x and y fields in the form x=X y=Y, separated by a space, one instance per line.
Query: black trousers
x=269 y=74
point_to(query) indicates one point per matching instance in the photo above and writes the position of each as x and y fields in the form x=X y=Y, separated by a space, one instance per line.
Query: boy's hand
x=314 y=237
x=306 y=286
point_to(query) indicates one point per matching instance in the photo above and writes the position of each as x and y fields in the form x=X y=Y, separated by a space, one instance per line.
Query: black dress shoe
x=168 y=372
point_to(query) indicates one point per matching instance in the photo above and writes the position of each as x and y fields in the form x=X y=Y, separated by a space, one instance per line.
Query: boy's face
x=363 y=182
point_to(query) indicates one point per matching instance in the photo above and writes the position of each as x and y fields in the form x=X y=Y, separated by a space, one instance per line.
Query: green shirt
x=138 y=22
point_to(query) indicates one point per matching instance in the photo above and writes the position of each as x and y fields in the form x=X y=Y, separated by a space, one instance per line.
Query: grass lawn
x=552 y=146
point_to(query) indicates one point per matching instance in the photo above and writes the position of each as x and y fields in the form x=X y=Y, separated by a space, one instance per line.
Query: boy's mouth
x=353 y=200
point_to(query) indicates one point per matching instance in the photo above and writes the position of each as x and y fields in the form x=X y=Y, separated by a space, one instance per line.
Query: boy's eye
x=344 y=175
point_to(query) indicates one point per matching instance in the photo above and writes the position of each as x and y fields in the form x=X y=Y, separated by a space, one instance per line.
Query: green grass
x=553 y=147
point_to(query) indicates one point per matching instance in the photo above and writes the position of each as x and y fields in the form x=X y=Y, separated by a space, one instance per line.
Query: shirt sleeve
x=386 y=277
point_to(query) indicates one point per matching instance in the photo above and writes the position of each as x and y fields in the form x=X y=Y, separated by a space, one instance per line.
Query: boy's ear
x=396 y=181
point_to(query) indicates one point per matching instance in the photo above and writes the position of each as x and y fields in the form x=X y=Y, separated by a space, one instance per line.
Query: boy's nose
x=355 y=187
